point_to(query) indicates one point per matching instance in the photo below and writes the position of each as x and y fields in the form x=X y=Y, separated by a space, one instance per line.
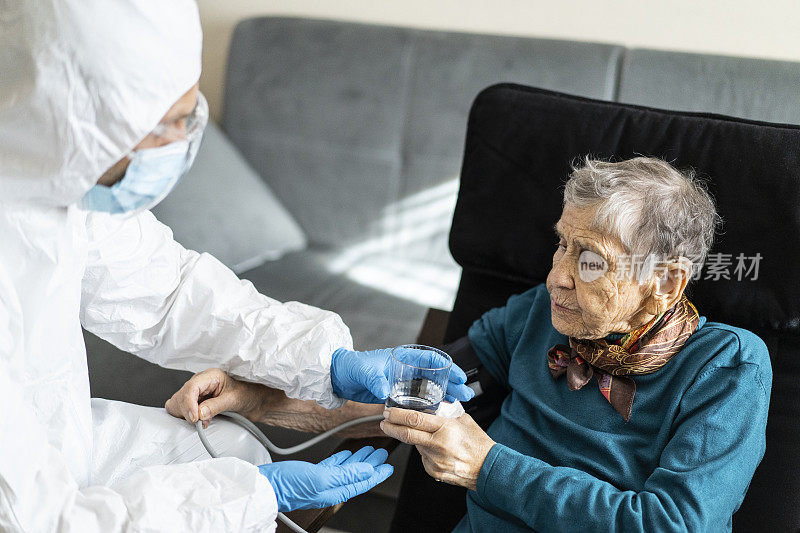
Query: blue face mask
x=151 y=175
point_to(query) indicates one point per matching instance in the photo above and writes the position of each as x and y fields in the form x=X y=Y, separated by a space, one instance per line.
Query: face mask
x=151 y=175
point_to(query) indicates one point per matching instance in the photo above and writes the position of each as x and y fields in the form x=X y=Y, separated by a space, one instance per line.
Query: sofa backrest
x=755 y=89
x=346 y=121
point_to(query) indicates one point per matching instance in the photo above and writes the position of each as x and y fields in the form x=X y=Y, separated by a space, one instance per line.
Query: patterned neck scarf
x=642 y=351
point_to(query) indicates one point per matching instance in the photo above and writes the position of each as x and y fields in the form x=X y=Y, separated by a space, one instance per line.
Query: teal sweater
x=567 y=461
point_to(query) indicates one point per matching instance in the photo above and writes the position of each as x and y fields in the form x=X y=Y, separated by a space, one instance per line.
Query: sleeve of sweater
x=495 y=334
x=704 y=471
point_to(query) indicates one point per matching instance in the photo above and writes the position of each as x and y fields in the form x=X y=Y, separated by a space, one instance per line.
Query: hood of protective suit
x=83 y=81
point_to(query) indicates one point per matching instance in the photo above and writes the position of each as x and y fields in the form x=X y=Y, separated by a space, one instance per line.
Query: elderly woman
x=626 y=410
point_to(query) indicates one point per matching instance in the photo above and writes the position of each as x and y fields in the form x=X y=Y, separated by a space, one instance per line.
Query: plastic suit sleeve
x=147 y=295
x=38 y=492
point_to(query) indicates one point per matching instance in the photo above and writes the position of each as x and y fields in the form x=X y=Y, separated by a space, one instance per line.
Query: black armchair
x=520 y=142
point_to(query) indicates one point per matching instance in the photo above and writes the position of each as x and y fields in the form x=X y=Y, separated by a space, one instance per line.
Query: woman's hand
x=452 y=449
x=212 y=391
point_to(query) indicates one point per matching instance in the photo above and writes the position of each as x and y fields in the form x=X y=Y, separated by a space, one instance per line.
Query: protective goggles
x=184 y=128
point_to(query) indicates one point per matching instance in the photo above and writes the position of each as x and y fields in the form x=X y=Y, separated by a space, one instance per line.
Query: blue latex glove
x=301 y=485
x=364 y=376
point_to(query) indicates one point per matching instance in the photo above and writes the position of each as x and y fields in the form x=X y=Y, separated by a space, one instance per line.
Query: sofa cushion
x=449 y=69
x=376 y=317
x=221 y=206
x=317 y=108
x=346 y=120
x=750 y=88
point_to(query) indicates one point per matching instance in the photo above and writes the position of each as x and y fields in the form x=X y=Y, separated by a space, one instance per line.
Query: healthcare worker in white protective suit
x=105 y=90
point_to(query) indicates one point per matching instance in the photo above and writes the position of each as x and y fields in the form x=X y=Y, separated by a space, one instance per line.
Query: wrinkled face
x=586 y=299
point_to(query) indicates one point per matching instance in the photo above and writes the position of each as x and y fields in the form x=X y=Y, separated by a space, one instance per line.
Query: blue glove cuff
x=337 y=387
x=267 y=470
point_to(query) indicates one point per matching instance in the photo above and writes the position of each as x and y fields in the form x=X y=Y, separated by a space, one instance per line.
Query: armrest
x=431 y=334
x=433 y=327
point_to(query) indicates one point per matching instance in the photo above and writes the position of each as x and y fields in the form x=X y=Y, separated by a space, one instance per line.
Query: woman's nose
x=561 y=274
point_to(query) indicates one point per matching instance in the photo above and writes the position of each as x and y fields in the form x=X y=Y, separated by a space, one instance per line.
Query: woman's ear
x=668 y=288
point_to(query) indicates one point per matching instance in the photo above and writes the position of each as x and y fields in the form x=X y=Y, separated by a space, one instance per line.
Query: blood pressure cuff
x=489 y=394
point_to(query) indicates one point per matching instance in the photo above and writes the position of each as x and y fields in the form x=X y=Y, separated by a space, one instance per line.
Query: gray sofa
x=341 y=152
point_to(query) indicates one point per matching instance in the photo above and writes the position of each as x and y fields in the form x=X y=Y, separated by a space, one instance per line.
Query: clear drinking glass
x=418 y=383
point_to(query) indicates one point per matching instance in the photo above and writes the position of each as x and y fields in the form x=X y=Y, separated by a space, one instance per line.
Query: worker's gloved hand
x=301 y=485
x=364 y=376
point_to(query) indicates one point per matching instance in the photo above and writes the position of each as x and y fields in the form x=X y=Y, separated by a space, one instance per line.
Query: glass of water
x=418 y=383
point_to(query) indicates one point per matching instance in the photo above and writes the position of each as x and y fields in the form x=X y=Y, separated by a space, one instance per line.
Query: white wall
x=768 y=29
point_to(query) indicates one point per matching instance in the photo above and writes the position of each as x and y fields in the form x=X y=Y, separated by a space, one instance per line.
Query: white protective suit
x=81 y=83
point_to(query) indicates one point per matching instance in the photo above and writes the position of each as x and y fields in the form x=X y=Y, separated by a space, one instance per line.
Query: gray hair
x=656 y=211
